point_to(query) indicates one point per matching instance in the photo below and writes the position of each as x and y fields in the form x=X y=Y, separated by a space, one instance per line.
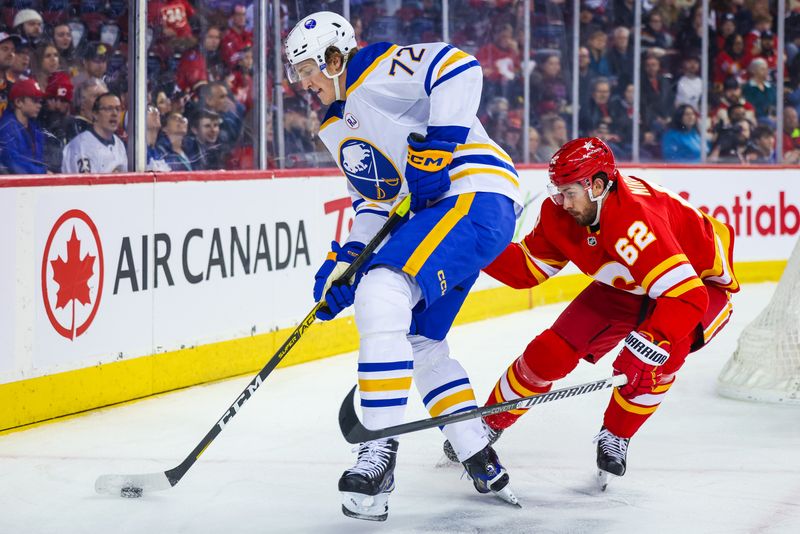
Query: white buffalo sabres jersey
x=90 y=153
x=433 y=89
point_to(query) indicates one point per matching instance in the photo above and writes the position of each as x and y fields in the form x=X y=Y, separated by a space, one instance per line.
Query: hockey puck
x=130 y=492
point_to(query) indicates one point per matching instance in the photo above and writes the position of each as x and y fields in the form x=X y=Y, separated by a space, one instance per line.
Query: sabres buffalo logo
x=369 y=170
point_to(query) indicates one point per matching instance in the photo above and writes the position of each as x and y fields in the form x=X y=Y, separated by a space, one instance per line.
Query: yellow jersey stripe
x=388 y=384
x=709 y=332
x=684 y=287
x=659 y=269
x=459 y=55
x=369 y=69
x=451 y=400
x=628 y=407
x=485 y=146
x=662 y=388
x=438 y=233
x=486 y=170
x=328 y=122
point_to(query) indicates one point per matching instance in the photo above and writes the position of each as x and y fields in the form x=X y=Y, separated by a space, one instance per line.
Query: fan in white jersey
x=402 y=121
x=98 y=150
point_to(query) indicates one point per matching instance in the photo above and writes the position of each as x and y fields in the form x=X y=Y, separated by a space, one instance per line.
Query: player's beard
x=585 y=217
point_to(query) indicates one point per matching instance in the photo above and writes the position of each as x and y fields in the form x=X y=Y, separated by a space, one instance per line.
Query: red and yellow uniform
x=661 y=267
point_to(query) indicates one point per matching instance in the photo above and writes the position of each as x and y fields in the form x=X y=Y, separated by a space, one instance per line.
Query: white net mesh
x=766 y=364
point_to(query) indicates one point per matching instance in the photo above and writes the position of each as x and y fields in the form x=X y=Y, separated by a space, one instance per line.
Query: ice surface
x=703 y=463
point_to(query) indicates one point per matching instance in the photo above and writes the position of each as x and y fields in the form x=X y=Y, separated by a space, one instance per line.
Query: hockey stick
x=355 y=432
x=136 y=485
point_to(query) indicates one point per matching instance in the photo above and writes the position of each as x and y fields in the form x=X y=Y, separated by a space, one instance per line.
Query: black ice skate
x=491 y=433
x=487 y=474
x=612 y=451
x=366 y=486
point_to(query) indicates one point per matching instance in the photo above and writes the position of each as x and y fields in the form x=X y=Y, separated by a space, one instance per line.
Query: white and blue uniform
x=419 y=279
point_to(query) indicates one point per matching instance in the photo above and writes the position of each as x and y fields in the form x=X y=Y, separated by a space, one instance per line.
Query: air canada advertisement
x=95 y=274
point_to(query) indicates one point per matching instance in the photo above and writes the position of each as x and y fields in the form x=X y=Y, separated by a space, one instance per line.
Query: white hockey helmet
x=312 y=36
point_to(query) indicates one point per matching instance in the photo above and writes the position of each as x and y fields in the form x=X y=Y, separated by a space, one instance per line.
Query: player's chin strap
x=599 y=199
x=335 y=78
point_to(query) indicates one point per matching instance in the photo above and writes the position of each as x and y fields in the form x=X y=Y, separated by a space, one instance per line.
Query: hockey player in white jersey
x=402 y=120
x=98 y=150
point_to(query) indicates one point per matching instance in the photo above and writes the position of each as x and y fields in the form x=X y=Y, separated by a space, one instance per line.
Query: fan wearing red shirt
x=172 y=16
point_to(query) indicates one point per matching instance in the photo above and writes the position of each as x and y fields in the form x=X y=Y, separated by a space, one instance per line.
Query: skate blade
x=366 y=507
x=445 y=462
x=508 y=496
x=603 y=479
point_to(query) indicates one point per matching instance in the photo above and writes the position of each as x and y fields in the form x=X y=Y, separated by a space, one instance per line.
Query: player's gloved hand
x=640 y=361
x=334 y=266
x=427 y=169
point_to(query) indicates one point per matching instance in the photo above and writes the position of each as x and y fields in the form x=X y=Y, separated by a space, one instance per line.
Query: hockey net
x=766 y=364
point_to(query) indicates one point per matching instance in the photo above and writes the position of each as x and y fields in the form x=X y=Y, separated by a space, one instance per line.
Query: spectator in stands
x=62 y=38
x=202 y=145
x=657 y=96
x=554 y=135
x=237 y=36
x=585 y=77
x=171 y=19
x=689 y=89
x=300 y=128
x=752 y=41
x=549 y=92
x=28 y=24
x=202 y=63
x=500 y=60
x=654 y=34
x=511 y=141
x=99 y=150
x=681 y=142
x=21 y=138
x=534 y=144
x=496 y=117
x=727 y=28
x=597 y=111
x=47 y=62
x=732 y=95
x=758 y=91
x=598 y=60
x=8 y=45
x=55 y=119
x=21 y=65
x=95 y=63
x=791 y=135
x=689 y=39
x=670 y=12
x=155 y=158
x=241 y=78
x=620 y=57
x=767 y=53
x=624 y=13
x=621 y=109
x=731 y=60
x=85 y=96
x=171 y=144
x=762 y=146
x=731 y=143
x=216 y=97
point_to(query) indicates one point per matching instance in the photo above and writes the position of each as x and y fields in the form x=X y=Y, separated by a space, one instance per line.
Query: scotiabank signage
x=770 y=213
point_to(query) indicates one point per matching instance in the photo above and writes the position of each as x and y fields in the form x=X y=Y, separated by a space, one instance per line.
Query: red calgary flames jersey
x=650 y=241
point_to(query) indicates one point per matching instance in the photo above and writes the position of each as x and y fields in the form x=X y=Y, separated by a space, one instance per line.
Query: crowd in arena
x=64 y=79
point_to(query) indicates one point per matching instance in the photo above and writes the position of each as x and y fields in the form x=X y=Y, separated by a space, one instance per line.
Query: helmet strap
x=599 y=199
x=335 y=77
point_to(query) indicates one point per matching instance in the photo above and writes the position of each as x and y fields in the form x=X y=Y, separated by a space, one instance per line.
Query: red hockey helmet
x=581 y=158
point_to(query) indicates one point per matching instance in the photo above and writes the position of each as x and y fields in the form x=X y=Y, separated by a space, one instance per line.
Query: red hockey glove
x=640 y=361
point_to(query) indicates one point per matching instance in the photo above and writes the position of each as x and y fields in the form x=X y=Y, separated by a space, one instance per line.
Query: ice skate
x=612 y=451
x=450 y=453
x=366 y=486
x=487 y=474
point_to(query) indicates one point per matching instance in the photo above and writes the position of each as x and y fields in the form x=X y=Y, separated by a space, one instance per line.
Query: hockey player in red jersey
x=662 y=275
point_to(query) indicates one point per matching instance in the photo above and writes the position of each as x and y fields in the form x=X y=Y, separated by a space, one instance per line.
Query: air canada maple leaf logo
x=72 y=274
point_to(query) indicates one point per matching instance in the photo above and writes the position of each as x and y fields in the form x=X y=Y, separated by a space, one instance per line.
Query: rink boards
x=116 y=288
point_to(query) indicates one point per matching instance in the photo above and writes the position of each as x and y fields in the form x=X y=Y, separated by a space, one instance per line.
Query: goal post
x=766 y=364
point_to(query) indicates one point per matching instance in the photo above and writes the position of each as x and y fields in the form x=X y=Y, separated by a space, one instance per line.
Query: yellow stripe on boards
x=438 y=233
x=389 y=384
x=451 y=400
x=36 y=401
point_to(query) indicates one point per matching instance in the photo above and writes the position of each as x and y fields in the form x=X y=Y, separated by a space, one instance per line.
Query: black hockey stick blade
x=141 y=484
x=355 y=432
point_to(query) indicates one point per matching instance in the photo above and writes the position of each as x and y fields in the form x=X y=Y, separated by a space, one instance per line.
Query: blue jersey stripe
x=456 y=134
x=454 y=72
x=380 y=403
x=362 y=61
x=483 y=160
x=384 y=366
x=435 y=62
x=434 y=392
x=382 y=213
